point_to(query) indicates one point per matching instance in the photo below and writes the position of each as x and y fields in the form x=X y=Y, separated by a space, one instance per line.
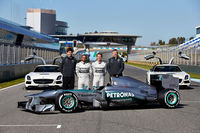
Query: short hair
x=69 y=49
x=114 y=50
x=84 y=55
x=100 y=54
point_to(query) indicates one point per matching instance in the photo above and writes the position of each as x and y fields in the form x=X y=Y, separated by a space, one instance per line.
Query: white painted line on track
x=195 y=80
x=11 y=86
x=58 y=126
x=42 y=125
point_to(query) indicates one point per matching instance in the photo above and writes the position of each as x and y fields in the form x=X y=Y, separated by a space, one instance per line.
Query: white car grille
x=43 y=81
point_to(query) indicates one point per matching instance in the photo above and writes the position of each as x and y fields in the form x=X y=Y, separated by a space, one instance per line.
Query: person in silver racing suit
x=99 y=71
x=83 y=71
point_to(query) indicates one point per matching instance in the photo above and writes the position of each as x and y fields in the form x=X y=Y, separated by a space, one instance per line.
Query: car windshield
x=47 y=69
x=167 y=69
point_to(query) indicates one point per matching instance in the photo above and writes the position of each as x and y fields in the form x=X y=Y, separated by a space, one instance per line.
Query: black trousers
x=68 y=82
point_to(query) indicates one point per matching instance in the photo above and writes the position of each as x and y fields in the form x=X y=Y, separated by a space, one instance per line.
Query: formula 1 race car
x=122 y=91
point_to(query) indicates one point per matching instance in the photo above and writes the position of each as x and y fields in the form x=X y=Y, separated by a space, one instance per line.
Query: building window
x=60 y=30
x=198 y=30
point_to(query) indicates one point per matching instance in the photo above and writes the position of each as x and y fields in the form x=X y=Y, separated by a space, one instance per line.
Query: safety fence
x=11 y=54
x=194 y=55
x=119 y=48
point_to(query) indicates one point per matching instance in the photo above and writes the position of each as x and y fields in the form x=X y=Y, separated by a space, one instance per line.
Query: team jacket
x=68 y=66
x=115 y=66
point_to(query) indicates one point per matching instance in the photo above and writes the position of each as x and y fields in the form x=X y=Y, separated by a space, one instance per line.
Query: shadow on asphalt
x=43 y=113
x=188 y=88
x=41 y=89
x=53 y=112
x=181 y=105
x=138 y=107
x=119 y=108
x=195 y=85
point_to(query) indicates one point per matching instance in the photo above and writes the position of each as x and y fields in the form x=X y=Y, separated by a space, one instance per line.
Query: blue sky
x=153 y=19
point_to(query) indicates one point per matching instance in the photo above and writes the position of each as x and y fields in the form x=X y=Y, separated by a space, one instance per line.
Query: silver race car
x=122 y=91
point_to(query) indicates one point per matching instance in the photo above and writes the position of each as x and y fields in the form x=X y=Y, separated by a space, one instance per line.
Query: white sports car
x=44 y=76
x=156 y=72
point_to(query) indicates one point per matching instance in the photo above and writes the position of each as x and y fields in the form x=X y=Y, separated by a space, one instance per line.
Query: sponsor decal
x=119 y=94
x=68 y=94
x=84 y=70
x=99 y=71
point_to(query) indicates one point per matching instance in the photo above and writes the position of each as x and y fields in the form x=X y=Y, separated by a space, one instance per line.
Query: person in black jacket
x=115 y=65
x=68 y=67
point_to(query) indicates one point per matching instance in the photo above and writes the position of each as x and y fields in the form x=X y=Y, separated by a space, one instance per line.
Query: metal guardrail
x=11 y=54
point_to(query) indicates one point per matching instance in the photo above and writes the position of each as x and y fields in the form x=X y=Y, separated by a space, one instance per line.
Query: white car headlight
x=59 y=77
x=28 y=77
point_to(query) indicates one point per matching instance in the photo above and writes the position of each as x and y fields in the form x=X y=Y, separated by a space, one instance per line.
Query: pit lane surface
x=149 y=119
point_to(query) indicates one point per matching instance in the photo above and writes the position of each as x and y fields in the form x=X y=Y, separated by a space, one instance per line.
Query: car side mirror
x=148 y=57
x=185 y=57
x=29 y=58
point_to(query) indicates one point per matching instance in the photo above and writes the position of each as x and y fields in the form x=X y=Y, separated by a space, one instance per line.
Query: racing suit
x=99 y=71
x=83 y=71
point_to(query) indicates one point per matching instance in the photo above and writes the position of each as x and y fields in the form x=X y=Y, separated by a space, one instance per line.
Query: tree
x=95 y=31
x=191 y=38
x=180 y=40
x=153 y=44
x=160 y=42
x=173 y=41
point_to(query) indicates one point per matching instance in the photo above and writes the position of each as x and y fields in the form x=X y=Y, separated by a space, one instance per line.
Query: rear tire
x=169 y=98
x=67 y=102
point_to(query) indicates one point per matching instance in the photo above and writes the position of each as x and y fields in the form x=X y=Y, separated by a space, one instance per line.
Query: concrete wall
x=10 y=72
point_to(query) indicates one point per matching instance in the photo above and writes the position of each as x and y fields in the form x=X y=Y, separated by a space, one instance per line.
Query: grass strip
x=144 y=66
x=10 y=83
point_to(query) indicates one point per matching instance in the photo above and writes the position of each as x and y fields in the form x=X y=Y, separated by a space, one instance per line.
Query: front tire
x=169 y=98
x=67 y=102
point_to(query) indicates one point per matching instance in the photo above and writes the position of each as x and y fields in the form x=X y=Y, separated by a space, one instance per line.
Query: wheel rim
x=172 y=98
x=68 y=102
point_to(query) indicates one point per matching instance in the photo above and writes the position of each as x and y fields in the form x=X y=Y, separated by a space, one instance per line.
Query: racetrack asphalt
x=148 y=119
